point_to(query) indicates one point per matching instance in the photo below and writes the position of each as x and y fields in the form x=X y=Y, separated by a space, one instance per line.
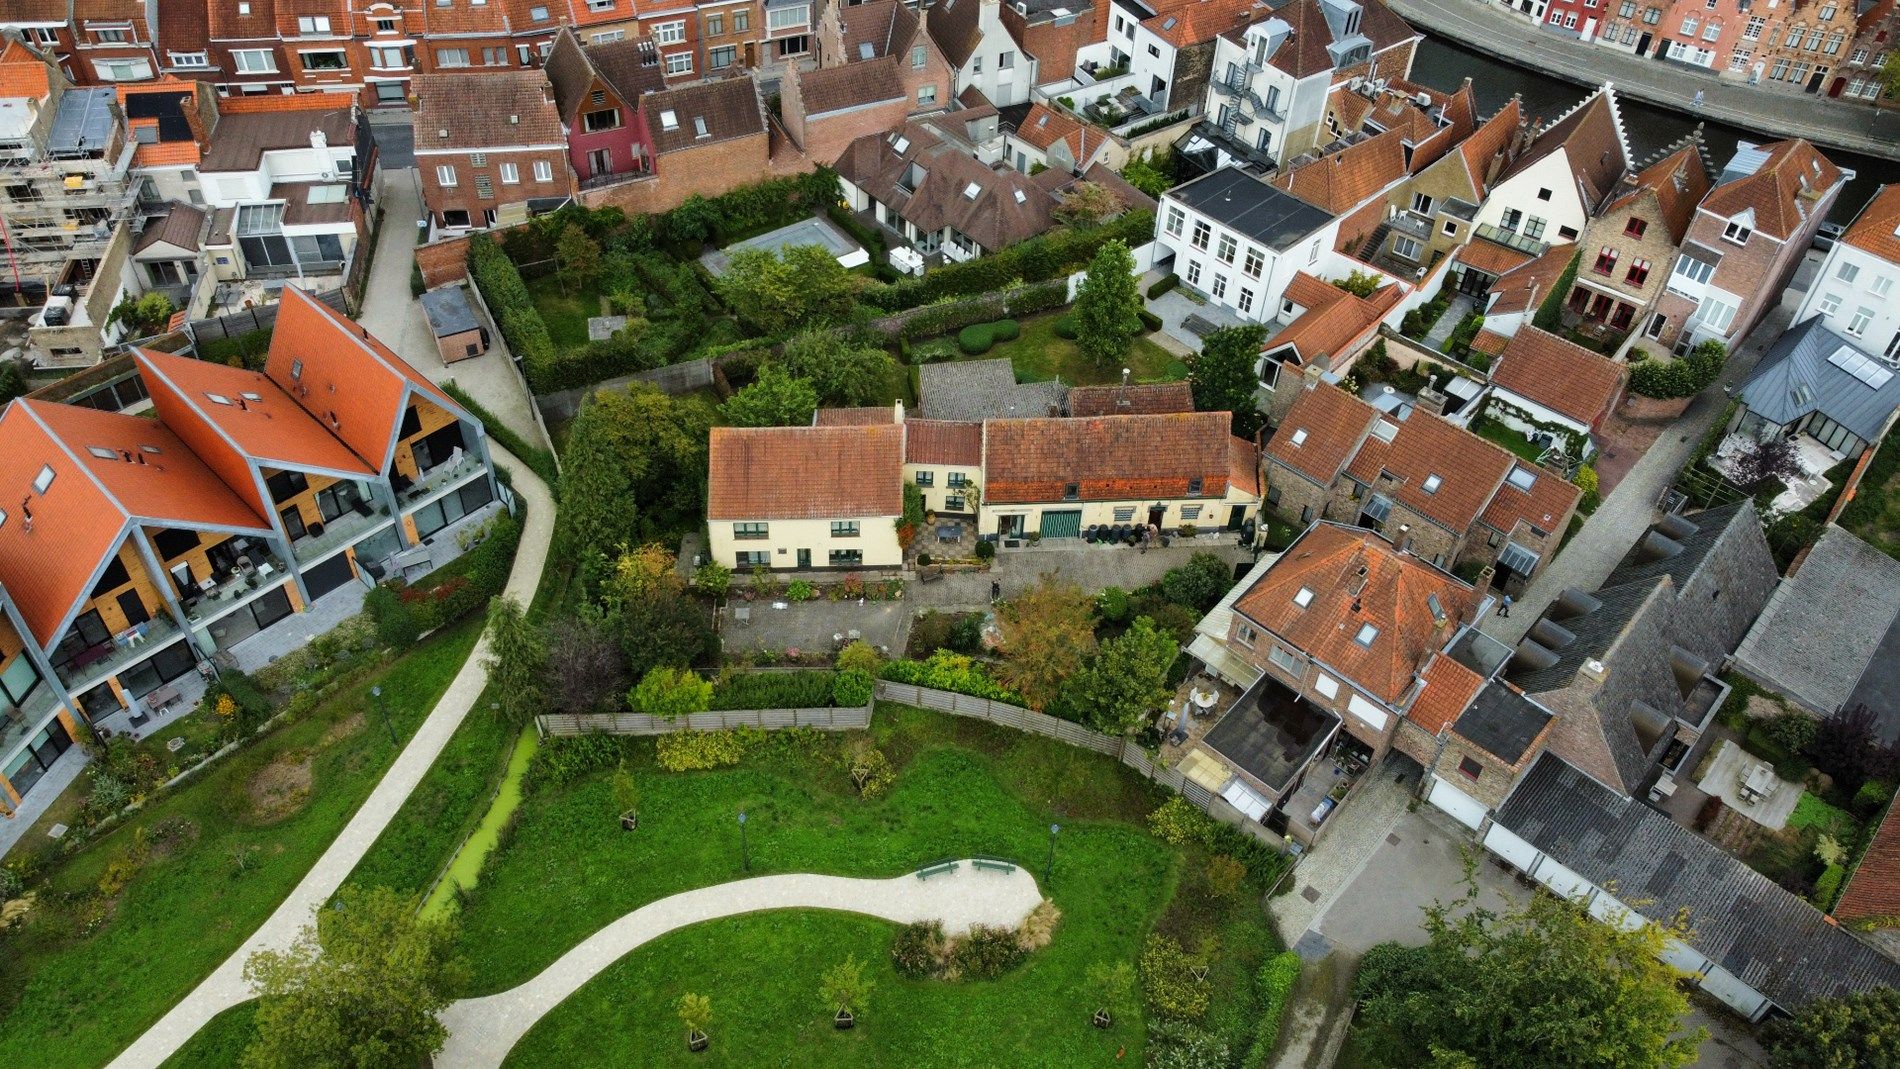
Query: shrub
x=1178 y=822
x=945 y=670
x=507 y=298
x=1168 y=984
x=1275 y=982
x=860 y=656
x=1181 y=1045
x=976 y=339
x=712 y=579
x=852 y=688
x=1005 y=330
x=985 y=550
x=1199 y=583
x=1113 y=606
x=670 y=693
x=1793 y=732
x=966 y=634
x=1828 y=887
x=1872 y=795
x=1149 y=321
x=799 y=590
x=691 y=751
x=923 y=560
x=774 y=690
x=563 y=759
x=1065 y=327
x=1224 y=876
x=1163 y=285
x=1683 y=377
x=919 y=949
x=986 y=952
x=396 y=625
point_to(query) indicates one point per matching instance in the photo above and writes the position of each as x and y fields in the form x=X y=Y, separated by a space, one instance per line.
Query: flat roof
x=84 y=122
x=1502 y=721
x=449 y=311
x=1271 y=734
x=813 y=231
x=1241 y=202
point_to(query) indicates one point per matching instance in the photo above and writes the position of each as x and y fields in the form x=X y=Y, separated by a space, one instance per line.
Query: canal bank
x=1490 y=31
x=1445 y=65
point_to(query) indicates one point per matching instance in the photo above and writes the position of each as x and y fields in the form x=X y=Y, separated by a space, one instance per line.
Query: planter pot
x=1102 y=1019
x=697 y=1041
x=844 y=1020
x=630 y=820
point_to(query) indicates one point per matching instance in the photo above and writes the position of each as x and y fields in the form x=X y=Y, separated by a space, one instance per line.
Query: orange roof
x=1348 y=178
x=164 y=153
x=1137 y=399
x=1877 y=228
x=1525 y=286
x=1678 y=181
x=251 y=103
x=1559 y=374
x=943 y=441
x=1333 y=322
x=1492 y=137
x=260 y=421
x=350 y=381
x=1781 y=191
x=1489 y=342
x=23 y=73
x=1449 y=688
x=1354 y=578
x=1490 y=257
x=796 y=473
x=1243 y=460
x=1321 y=432
x=169 y=487
x=1437 y=469
x=1107 y=458
x=1874 y=888
x=1545 y=506
x=854 y=417
x=1183 y=24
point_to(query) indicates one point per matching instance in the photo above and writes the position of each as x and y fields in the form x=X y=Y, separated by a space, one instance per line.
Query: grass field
x=565 y=313
x=90 y=969
x=1037 y=355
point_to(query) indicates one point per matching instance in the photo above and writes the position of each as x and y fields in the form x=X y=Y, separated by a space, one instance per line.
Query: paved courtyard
x=1092 y=567
x=809 y=626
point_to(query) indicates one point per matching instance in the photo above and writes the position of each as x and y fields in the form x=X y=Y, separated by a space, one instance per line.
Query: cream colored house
x=799 y=498
x=944 y=459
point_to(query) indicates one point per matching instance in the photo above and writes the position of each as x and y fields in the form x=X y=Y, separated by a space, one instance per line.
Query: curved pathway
x=225 y=987
x=483 y=1030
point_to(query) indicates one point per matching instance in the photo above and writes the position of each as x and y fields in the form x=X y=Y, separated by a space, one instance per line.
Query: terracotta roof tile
x=1332 y=322
x=1559 y=374
x=1140 y=399
x=1328 y=424
x=486 y=111
x=854 y=417
x=729 y=108
x=1492 y=138
x=1782 y=190
x=1343 y=180
x=789 y=473
x=1186 y=24
x=274 y=428
x=1468 y=470
x=1243 y=466
x=956 y=26
x=1306 y=54
x=1874 y=888
x=1677 y=182
x=172 y=486
x=1394 y=596
x=23 y=73
x=853 y=85
x=1489 y=342
x=1449 y=688
x=1525 y=286
x=1108 y=458
x=943 y=441
x=1877 y=228
x=1491 y=257
x=886 y=25
x=1545 y=506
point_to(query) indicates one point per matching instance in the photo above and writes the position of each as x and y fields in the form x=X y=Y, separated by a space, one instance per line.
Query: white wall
x=939 y=489
x=1208 y=513
x=1277 y=273
x=877 y=539
x=1002 y=85
x=1565 y=208
x=1875 y=289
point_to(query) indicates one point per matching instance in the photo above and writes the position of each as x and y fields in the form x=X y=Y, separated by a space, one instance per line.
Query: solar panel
x=173 y=128
x=1861 y=366
x=153 y=105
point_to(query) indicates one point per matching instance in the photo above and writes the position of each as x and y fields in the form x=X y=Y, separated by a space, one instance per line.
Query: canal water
x=1443 y=65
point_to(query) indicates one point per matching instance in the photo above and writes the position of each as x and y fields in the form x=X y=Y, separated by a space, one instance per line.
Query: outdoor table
x=1204 y=700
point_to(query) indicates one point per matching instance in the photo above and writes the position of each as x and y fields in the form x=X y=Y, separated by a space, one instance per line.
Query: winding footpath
x=225 y=987
x=483 y=1030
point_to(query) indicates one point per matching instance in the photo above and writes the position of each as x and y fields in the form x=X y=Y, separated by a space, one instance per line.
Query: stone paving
x=1090 y=567
x=483 y=1030
x=809 y=626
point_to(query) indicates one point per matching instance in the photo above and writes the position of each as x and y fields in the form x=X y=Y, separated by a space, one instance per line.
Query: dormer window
x=1736 y=233
x=901 y=145
x=1072 y=492
x=44 y=479
x=1303 y=598
x=1366 y=634
x=1299 y=437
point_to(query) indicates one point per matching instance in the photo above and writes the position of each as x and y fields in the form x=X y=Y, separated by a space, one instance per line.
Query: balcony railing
x=127 y=647
x=24 y=721
x=340 y=532
x=440 y=478
x=1511 y=239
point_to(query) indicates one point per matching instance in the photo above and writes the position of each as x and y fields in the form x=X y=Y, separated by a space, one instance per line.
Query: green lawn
x=88 y=971
x=1498 y=434
x=963 y=788
x=1037 y=355
x=565 y=313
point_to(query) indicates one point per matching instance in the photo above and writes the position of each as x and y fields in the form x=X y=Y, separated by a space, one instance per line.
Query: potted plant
x=627 y=797
x=1112 y=985
x=844 y=988
x=695 y=1012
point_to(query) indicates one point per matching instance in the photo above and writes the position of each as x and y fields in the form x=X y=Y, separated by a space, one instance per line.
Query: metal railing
x=1511 y=239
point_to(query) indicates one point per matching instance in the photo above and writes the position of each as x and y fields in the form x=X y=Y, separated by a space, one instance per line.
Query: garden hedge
x=1682 y=377
x=773 y=690
x=1052 y=255
x=977 y=338
x=1166 y=283
x=500 y=283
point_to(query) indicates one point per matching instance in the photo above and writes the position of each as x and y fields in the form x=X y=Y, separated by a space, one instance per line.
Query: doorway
x=1236 y=517
x=1642 y=44
x=804 y=558
x=1157 y=515
x=1817 y=79
x=133 y=608
x=600 y=161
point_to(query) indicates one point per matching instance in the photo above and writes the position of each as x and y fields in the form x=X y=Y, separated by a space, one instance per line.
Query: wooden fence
x=1073 y=734
x=255 y=318
x=855 y=719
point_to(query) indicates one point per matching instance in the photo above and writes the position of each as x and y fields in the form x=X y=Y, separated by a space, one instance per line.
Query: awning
x=1225 y=662
x=1205 y=769
x=1245 y=800
x=1519 y=560
x=1378 y=507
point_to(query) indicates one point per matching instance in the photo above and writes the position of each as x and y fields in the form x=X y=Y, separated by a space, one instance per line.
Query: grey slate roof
x=1710 y=526
x=1502 y=721
x=1595 y=632
x=449 y=311
x=1795 y=378
x=975 y=390
x=1771 y=940
x=1243 y=203
x=1824 y=624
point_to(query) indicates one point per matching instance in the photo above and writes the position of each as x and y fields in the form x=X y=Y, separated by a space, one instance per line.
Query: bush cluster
x=1164 y=284
x=945 y=670
x=773 y=690
x=403 y=613
x=852 y=688
x=1275 y=987
x=692 y=751
x=986 y=952
x=1683 y=377
x=1169 y=986
x=919 y=948
x=563 y=759
x=508 y=301
x=977 y=338
x=1054 y=254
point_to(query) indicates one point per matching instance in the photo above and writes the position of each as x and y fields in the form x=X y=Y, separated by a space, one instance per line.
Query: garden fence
x=855 y=719
x=673 y=379
x=253 y=319
x=1073 y=734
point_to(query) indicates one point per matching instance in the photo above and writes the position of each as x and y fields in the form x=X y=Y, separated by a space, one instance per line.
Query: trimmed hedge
x=508 y=300
x=539 y=460
x=1149 y=321
x=977 y=338
x=1683 y=377
x=1065 y=327
x=1166 y=283
x=773 y=690
x=953 y=672
x=1051 y=255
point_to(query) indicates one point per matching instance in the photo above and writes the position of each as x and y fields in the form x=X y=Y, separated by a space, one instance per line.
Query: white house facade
x=1238 y=242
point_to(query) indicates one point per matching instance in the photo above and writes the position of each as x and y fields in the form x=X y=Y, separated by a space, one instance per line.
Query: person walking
x=1698 y=100
x=996 y=590
x=1505 y=612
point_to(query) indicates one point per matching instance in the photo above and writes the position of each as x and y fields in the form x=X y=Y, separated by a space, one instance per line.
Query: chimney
x=897 y=412
x=1404 y=543
x=1311 y=375
x=1481 y=589
x=1431 y=398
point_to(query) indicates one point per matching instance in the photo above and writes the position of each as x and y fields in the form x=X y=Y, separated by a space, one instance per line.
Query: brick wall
x=1495 y=778
x=1055 y=46
x=443 y=261
x=464 y=196
x=826 y=137
x=707 y=170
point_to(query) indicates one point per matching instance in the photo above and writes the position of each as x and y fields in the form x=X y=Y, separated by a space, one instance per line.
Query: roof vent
x=1533 y=656
x=1572 y=603
x=1677 y=526
x=1689 y=669
x=1657 y=546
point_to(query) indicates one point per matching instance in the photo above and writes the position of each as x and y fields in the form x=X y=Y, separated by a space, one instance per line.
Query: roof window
x=102 y=452
x=152 y=449
x=1366 y=634
x=669 y=120
x=972 y=190
x=1020 y=198
x=218 y=398
x=1071 y=491
x=296 y=369
x=1521 y=478
x=3 y=517
x=1431 y=484
x=1299 y=437
x=249 y=396
x=44 y=479
x=1303 y=598
x=699 y=126
x=901 y=145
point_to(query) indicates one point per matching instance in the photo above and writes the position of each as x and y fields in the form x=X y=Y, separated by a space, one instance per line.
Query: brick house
x=1873 y=40
x=1543 y=385
x=1521 y=286
x=45 y=26
x=1322 y=329
x=1706 y=37
x=1445 y=194
x=1475 y=734
x=112 y=42
x=1747 y=237
x=1054 y=31
x=1627 y=249
x=245 y=51
x=597 y=89
x=1439 y=491
x=1806 y=45
x=876 y=66
x=708 y=138
x=1352 y=185
x=1048 y=137
x=488 y=147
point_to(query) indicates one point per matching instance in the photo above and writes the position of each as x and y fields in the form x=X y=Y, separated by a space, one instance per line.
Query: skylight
x=296 y=369
x=669 y=120
x=1366 y=634
x=901 y=145
x=1020 y=199
x=972 y=190
x=1432 y=483
x=1299 y=436
x=1861 y=366
x=699 y=126
x=248 y=396
x=1303 y=598
x=1521 y=478
x=218 y=399
x=102 y=452
x=1385 y=430
x=152 y=449
x=44 y=479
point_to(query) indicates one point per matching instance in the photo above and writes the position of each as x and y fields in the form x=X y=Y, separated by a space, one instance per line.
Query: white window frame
x=313 y=25
x=190 y=59
x=786 y=18
x=451 y=58
x=445 y=175
x=670 y=33
x=543 y=171
x=679 y=63
x=510 y=174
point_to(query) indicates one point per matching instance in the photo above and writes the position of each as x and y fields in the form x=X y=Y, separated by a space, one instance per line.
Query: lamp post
x=1050 y=865
x=376 y=697
x=745 y=856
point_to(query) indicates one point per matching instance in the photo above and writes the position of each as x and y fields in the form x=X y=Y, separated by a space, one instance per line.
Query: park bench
x=938 y=869
x=994 y=864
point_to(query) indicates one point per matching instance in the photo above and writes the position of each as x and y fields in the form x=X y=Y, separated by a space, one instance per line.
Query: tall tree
x=1086 y=204
x=586 y=671
x=1857 y=1032
x=636 y=463
x=658 y=625
x=1126 y=681
x=578 y=256
x=1108 y=306
x=843 y=373
x=774 y=399
x=517 y=661
x=1544 y=986
x=802 y=287
x=361 y=987
x=1224 y=379
x=1047 y=635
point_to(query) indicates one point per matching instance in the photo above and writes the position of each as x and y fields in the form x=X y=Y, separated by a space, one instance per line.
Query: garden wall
x=643 y=724
x=442 y=262
x=673 y=379
x=255 y=318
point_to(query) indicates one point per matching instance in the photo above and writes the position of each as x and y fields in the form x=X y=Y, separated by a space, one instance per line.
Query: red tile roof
x=1468 y=469
x=1559 y=374
x=164 y=153
x=169 y=487
x=1874 y=888
x=1243 y=466
x=1043 y=126
x=486 y=111
x=1678 y=181
x=1139 y=399
x=1357 y=578
x=1329 y=424
x=1343 y=180
x=1782 y=191
x=943 y=441
x=854 y=417
x=1187 y=24
x=1525 y=286
x=1546 y=505
x=23 y=73
x=1332 y=323
x=800 y=473
x=1108 y=458
x=270 y=426
x=1491 y=257
x=1449 y=688
x=1877 y=228
x=1491 y=138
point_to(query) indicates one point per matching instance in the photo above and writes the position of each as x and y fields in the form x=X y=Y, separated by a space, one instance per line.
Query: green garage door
x=1062 y=524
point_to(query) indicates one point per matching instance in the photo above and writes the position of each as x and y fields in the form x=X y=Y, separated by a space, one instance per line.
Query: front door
x=133 y=608
x=804 y=558
x=1066 y=523
x=1642 y=44
x=1817 y=79
x=1236 y=517
x=1156 y=516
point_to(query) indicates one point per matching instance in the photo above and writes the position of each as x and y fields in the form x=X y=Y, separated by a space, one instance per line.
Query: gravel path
x=225 y=987
x=483 y=1030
